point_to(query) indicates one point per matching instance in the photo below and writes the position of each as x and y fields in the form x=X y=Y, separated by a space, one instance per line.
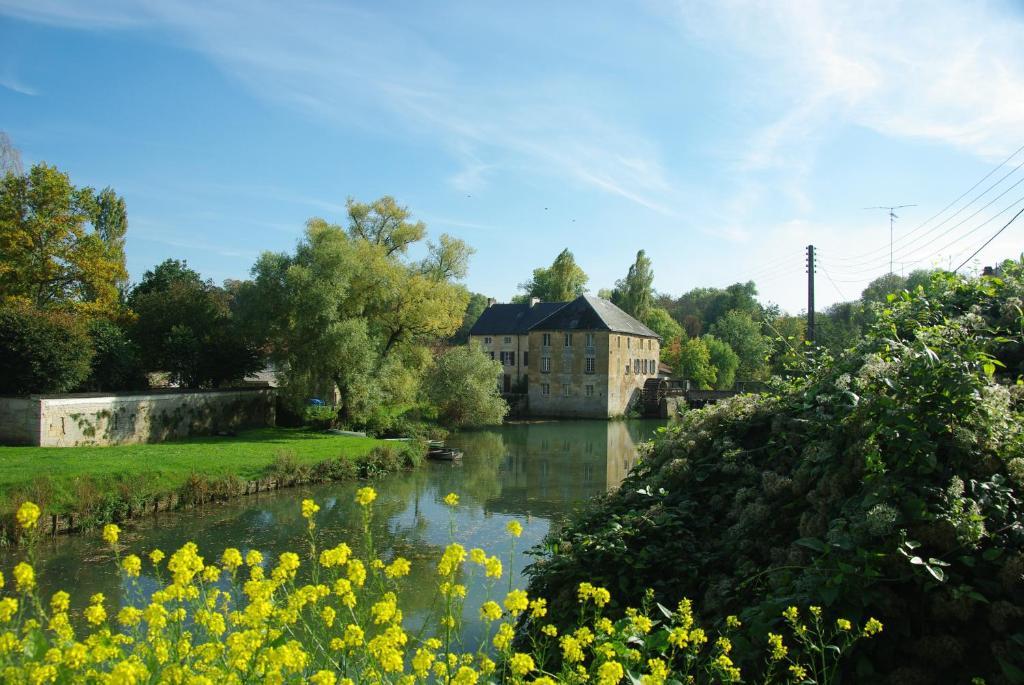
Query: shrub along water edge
x=887 y=482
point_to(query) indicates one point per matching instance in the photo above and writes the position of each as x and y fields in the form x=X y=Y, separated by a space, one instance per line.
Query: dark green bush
x=380 y=461
x=340 y=468
x=117 y=362
x=887 y=482
x=41 y=351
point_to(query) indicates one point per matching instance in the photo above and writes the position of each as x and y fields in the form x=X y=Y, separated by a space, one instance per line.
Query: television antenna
x=892 y=217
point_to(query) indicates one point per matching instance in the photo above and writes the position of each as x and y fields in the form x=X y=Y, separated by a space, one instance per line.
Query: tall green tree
x=347 y=312
x=724 y=361
x=701 y=308
x=635 y=293
x=743 y=334
x=476 y=306
x=564 y=280
x=694 y=364
x=110 y=220
x=53 y=256
x=662 y=323
x=185 y=326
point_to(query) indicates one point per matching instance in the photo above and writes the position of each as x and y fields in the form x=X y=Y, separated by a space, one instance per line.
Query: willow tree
x=349 y=312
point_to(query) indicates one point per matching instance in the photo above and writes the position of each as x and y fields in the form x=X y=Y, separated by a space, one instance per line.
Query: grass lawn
x=56 y=474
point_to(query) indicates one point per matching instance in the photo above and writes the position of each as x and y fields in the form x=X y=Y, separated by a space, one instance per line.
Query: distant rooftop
x=586 y=312
x=512 y=319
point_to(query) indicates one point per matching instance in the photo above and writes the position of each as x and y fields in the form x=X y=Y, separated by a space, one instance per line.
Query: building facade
x=585 y=358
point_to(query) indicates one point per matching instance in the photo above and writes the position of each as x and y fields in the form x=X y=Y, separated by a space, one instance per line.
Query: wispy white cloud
x=368 y=69
x=10 y=80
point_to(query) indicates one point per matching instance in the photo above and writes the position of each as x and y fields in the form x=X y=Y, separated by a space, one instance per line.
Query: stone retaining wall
x=126 y=418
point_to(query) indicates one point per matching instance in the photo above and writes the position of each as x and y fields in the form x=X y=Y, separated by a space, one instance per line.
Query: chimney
x=534 y=300
x=491 y=302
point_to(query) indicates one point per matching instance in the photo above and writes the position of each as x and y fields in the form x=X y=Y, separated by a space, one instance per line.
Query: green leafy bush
x=886 y=482
x=117 y=362
x=41 y=351
x=320 y=417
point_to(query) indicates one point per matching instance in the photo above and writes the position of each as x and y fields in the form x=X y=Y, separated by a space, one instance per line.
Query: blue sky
x=721 y=137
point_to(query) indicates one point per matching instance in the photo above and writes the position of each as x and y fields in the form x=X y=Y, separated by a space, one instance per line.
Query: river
x=535 y=473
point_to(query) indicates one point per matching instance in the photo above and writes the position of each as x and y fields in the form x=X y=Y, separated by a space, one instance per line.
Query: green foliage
x=345 y=311
x=51 y=257
x=476 y=306
x=885 y=482
x=185 y=326
x=724 y=361
x=701 y=308
x=564 y=280
x=694 y=364
x=743 y=334
x=662 y=323
x=117 y=362
x=635 y=293
x=41 y=351
x=462 y=385
x=320 y=417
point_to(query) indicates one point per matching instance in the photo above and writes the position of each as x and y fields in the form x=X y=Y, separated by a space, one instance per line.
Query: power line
x=994 y=235
x=825 y=271
x=907 y=236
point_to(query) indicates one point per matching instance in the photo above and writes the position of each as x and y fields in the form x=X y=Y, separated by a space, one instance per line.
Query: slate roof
x=512 y=319
x=589 y=313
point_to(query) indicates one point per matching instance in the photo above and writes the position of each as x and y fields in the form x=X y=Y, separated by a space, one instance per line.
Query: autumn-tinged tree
x=635 y=293
x=54 y=253
x=564 y=280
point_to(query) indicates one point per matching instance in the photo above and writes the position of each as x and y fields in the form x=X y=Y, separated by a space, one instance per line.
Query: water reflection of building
x=548 y=466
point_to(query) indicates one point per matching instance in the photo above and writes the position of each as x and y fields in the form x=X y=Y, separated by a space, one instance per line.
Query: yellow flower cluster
x=235 y=621
x=27 y=515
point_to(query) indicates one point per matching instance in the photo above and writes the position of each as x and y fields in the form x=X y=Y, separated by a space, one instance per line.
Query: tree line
x=714 y=337
x=347 y=316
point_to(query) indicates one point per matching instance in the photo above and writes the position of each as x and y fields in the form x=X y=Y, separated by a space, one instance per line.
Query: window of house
x=545 y=364
x=525 y=357
x=636 y=366
x=546 y=340
x=487 y=340
x=648 y=343
x=645 y=367
x=590 y=391
x=508 y=339
x=545 y=389
x=618 y=341
x=568 y=339
x=508 y=358
x=591 y=365
x=629 y=343
x=654 y=366
x=628 y=367
x=492 y=354
x=590 y=339
x=565 y=389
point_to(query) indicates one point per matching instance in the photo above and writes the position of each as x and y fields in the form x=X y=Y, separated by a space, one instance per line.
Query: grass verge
x=95 y=485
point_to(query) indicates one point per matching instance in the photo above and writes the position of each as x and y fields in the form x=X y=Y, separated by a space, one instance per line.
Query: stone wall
x=125 y=418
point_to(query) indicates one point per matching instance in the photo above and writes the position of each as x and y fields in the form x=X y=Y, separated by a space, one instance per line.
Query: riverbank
x=82 y=487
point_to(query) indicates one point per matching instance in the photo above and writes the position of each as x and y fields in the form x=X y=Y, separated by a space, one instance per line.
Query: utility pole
x=892 y=217
x=810 y=293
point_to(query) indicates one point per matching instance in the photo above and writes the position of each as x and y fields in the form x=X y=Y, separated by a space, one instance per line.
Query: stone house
x=585 y=358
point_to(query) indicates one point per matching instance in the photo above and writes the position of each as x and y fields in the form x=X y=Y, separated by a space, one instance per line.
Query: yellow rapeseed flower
x=872 y=627
x=28 y=515
x=24 y=577
x=490 y=611
x=778 y=649
x=309 y=508
x=843 y=624
x=609 y=673
x=399 y=568
x=520 y=664
x=110 y=533
x=365 y=496
x=231 y=559
x=514 y=528
x=451 y=499
x=132 y=565
x=156 y=556
x=516 y=602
